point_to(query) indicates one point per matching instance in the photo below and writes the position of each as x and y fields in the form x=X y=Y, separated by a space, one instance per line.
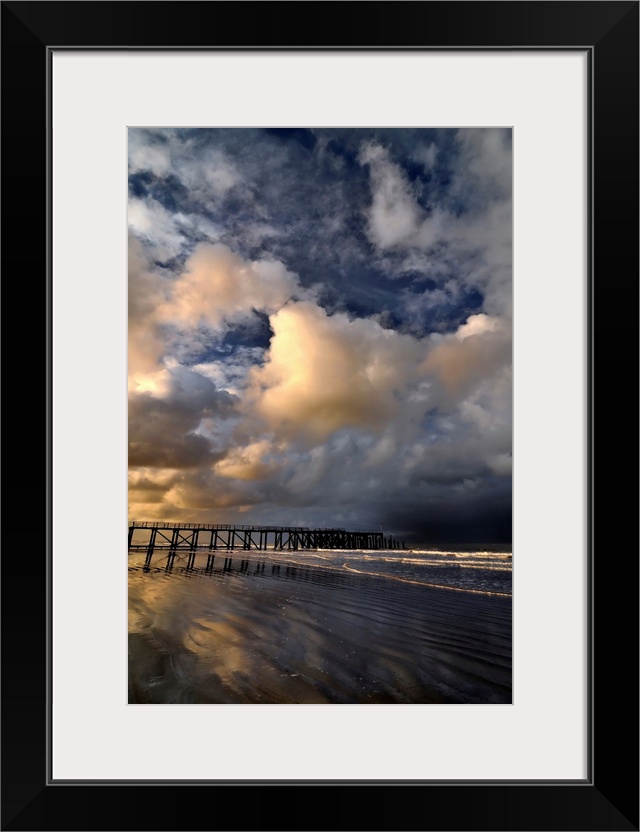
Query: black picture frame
x=608 y=798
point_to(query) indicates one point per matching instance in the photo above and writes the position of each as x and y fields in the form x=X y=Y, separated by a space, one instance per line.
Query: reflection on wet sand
x=225 y=565
x=229 y=628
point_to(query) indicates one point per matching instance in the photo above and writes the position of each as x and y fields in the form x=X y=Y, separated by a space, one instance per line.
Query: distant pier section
x=187 y=537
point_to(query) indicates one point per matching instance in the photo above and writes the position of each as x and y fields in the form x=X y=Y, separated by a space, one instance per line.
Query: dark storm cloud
x=162 y=430
x=475 y=519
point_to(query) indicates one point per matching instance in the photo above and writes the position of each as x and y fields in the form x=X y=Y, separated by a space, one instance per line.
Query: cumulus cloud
x=395 y=219
x=161 y=436
x=160 y=229
x=249 y=462
x=323 y=373
x=477 y=325
x=192 y=495
x=168 y=234
x=484 y=172
x=151 y=157
x=163 y=428
x=394 y=216
x=146 y=293
x=501 y=464
x=217 y=285
x=459 y=361
x=477 y=242
x=208 y=172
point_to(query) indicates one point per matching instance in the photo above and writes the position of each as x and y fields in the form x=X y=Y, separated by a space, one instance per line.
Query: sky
x=320 y=329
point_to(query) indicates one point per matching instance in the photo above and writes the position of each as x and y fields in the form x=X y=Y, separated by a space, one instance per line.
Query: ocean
x=476 y=569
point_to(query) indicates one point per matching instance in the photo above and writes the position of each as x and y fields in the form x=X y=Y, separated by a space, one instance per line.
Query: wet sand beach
x=259 y=628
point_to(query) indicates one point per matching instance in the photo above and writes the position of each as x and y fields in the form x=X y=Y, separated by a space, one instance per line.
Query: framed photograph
x=319 y=430
x=395 y=205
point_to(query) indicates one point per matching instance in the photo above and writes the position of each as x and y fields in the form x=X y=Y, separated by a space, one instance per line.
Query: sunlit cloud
x=323 y=373
x=217 y=285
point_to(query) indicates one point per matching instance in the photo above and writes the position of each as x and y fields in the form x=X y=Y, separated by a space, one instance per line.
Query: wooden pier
x=187 y=537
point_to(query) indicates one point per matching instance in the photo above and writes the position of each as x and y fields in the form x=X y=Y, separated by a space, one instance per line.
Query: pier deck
x=153 y=536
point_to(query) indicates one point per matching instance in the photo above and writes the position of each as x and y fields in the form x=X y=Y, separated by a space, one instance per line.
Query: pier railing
x=158 y=524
